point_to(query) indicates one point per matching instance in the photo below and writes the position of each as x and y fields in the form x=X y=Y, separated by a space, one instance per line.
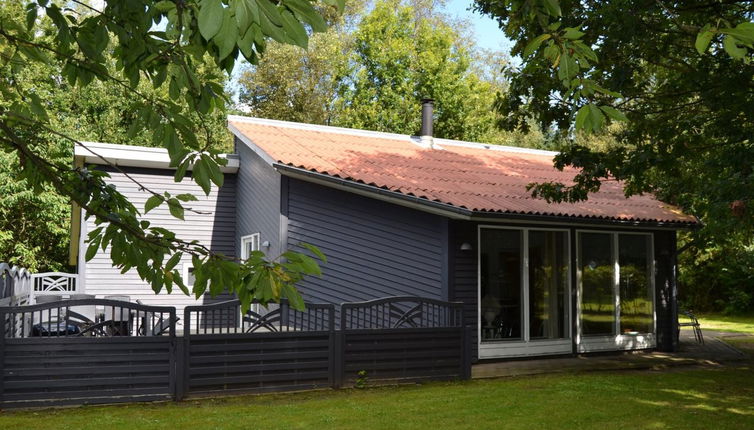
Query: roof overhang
x=135 y=156
x=458 y=213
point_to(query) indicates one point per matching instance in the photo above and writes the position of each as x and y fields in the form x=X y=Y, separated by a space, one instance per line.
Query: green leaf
x=614 y=113
x=226 y=37
x=186 y=197
x=552 y=7
x=91 y=250
x=210 y=18
x=744 y=32
x=582 y=116
x=215 y=175
x=572 y=33
x=176 y=209
x=730 y=43
x=703 y=39
x=309 y=265
x=201 y=176
x=173 y=261
x=152 y=203
x=31 y=15
x=314 y=250
x=306 y=12
x=596 y=118
x=246 y=13
x=532 y=46
x=165 y=6
x=294 y=29
x=568 y=67
x=271 y=21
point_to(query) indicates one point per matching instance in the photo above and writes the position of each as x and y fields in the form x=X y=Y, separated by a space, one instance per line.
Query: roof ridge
x=385 y=135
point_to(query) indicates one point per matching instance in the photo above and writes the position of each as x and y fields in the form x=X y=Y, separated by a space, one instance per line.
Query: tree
x=404 y=54
x=299 y=85
x=165 y=44
x=679 y=74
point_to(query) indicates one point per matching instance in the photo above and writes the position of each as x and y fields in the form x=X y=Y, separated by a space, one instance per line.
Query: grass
x=721 y=398
x=734 y=324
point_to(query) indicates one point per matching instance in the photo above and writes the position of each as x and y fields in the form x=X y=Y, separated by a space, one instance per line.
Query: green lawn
x=688 y=399
x=735 y=324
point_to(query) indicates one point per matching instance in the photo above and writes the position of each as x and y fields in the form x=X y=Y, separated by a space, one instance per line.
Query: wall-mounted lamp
x=266 y=244
x=466 y=246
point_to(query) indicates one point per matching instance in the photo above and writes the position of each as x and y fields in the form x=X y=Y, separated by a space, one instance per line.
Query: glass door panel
x=597 y=284
x=501 y=266
x=548 y=283
x=636 y=301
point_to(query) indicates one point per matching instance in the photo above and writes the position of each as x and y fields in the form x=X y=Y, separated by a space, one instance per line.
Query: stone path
x=714 y=352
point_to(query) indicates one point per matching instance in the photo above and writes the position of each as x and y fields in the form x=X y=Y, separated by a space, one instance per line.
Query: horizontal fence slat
x=111 y=370
x=202 y=371
x=91 y=382
x=276 y=377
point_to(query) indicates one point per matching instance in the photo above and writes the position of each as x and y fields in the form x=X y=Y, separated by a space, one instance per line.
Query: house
x=405 y=215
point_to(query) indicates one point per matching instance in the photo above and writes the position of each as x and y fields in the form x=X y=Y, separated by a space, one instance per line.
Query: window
x=524 y=285
x=616 y=284
x=188 y=274
x=249 y=244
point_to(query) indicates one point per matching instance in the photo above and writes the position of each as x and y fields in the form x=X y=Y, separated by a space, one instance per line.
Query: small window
x=249 y=244
x=188 y=275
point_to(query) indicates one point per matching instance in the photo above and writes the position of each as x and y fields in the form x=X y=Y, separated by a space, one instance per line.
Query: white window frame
x=187 y=267
x=526 y=346
x=255 y=239
x=618 y=340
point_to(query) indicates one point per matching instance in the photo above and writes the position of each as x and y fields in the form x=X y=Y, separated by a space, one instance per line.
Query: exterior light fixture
x=466 y=246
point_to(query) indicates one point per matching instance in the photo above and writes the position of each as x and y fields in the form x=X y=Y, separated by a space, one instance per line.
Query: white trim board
x=136 y=156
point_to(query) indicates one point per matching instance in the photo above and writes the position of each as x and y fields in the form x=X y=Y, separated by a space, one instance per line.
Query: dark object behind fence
x=120 y=359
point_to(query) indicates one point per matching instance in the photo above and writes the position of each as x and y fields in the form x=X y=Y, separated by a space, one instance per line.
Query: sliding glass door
x=615 y=291
x=523 y=292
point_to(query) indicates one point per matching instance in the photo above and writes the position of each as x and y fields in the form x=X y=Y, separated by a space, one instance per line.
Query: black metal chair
x=693 y=323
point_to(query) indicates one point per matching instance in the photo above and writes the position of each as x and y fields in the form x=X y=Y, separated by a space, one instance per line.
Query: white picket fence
x=19 y=286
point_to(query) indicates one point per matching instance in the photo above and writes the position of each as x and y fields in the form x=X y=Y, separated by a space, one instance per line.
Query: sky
x=486 y=31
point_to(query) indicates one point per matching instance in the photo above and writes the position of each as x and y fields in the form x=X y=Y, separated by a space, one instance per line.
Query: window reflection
x=597 y=284
x=548 y=279
x=636 y=313
x=501 y=268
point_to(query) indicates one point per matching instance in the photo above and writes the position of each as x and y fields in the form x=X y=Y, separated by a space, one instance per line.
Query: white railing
x=15 y=285
x=54 y=283
x=18 y=286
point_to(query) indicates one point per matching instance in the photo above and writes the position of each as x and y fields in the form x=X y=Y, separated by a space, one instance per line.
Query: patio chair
x=161 y=326
x=694 y=323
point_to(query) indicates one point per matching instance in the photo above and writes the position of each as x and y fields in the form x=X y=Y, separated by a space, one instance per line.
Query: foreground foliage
x=181 y=49
x=698 y=399
x=678 y=76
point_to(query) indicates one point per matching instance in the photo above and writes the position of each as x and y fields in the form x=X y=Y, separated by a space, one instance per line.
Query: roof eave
x=459 y=213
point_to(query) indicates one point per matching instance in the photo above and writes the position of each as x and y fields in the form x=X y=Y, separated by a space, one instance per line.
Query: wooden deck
x=714 y=352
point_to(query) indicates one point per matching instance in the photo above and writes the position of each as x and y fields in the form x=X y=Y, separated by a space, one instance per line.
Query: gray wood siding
x=215 y=229
x=374 y=249
x=258 y=209
x=464 y=283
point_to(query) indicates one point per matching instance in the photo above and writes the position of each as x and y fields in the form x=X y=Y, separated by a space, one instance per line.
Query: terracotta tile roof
x=463 y=175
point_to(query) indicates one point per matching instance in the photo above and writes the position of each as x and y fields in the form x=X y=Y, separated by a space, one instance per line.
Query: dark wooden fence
x=403 y=338
x=105 y=351
x=86 y=351
x=281 y=350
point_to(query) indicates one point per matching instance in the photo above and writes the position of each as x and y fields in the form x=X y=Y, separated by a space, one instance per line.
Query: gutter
x=455 y=212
